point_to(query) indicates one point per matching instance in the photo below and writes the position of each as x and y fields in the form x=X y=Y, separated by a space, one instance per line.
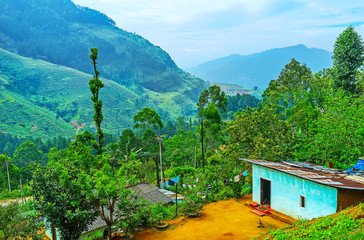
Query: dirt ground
x=7 y=201
x=223 y=220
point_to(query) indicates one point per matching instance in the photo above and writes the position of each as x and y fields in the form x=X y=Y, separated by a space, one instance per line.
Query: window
x=302 y=201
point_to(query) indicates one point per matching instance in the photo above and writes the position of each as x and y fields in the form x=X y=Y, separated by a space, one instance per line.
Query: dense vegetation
x=45 y=100
x=347 y=224
x=302 y=116
x=61 y=32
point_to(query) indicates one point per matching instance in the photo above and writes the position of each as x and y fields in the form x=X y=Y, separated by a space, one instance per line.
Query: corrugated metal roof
x=144 y=190
x=319 y=174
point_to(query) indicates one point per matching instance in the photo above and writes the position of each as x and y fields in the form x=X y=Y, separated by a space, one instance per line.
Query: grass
x=347 y=224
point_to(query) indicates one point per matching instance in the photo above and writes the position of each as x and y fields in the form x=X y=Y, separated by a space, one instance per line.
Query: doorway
x=265 y=191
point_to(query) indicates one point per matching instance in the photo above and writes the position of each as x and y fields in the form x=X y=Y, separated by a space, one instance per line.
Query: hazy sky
x=194 y=31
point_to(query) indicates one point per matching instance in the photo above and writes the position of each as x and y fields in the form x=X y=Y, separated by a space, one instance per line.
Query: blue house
x=303 y=190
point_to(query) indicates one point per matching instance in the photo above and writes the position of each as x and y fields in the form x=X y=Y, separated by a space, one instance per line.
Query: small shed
x=304 y=190
x=145 y=190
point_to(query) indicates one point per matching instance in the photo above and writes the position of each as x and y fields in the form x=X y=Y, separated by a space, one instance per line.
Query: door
x=265 y=191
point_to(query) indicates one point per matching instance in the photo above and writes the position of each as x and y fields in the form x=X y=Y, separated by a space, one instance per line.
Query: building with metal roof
x=304 y=190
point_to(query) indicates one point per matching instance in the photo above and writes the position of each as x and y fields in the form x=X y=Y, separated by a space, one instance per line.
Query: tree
x=347 y=57
x=95 y=86
x=106 y=183
x=147 y=118
x=17 y=223
x=59 y=191
x=14 y=174
x=240 y=102
x=339 y=132
x=293 y=79
x=262 y=135
x=113 y=200
x=212 y=95
x=27 y=153
x=129 y=144
x=180 y=149
x=181 y=124
x=8 y=214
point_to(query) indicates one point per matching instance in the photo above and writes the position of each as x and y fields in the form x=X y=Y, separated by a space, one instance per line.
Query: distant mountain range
x=45 y=68
x=259 y=68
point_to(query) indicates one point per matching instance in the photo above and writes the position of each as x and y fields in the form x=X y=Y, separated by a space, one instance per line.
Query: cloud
x=193 y=31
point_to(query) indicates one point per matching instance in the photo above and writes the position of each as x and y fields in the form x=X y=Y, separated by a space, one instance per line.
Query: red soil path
x=223 y=220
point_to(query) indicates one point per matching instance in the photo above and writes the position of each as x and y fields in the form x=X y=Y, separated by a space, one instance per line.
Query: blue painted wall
x=321 y=200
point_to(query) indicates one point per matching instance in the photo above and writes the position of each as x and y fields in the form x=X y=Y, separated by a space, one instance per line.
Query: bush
x=160 y=212
x=191 y=205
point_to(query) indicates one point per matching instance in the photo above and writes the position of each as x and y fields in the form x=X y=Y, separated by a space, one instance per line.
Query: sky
x=196 y=31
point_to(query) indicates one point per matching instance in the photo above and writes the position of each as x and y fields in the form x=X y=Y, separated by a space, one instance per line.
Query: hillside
x=60 y=95
x=347 y=224
x=61 y=32
x=259 y=68
x=55 y=36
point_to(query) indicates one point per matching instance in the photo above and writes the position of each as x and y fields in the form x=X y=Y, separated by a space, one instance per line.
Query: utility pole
x=159 y=139
x=195 y=165
x=176 y=200
x=7 y=169
x=22 y=192
x=203 y=154
x=157 y=169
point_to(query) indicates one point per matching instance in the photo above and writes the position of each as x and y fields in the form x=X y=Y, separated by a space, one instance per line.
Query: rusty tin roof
x=319 y=174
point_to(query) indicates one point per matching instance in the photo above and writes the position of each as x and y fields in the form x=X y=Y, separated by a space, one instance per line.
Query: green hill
x=21 y=117
x=259 y=68
x=55 y=36
x=61 y=32
x=44 y=99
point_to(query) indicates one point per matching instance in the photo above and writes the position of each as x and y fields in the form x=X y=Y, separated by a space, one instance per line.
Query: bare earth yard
x=218 y=221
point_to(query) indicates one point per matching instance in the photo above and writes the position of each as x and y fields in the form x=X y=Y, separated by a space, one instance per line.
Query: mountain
x=45 y=99
x=45 y=66
x=62 y=32
x=259 y=68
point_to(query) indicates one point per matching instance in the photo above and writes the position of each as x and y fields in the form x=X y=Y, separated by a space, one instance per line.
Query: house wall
x=321 y=200
x=349 y=197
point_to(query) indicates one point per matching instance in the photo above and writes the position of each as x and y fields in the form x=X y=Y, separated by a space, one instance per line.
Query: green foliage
x=294 y=78
x=348 y=56
x=240 y=102
x=34 y=88
x=338 y=132
x=192 y=204
x=141 y=216
x=95 y=85
x=61 y=189
x=16 y=193
x=66 y=31
x=14 y=174
x=148 y=118
x=59 y=194
x=212 y=96
x=180 y=149
x=19 y=222
x=26 y=154
x=181 y=124
x=160 y=212
x=182 y=171
x=61 y=105
x=262 y=135
x=332 y=227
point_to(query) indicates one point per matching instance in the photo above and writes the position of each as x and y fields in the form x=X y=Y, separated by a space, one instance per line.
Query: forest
x=302 y=116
